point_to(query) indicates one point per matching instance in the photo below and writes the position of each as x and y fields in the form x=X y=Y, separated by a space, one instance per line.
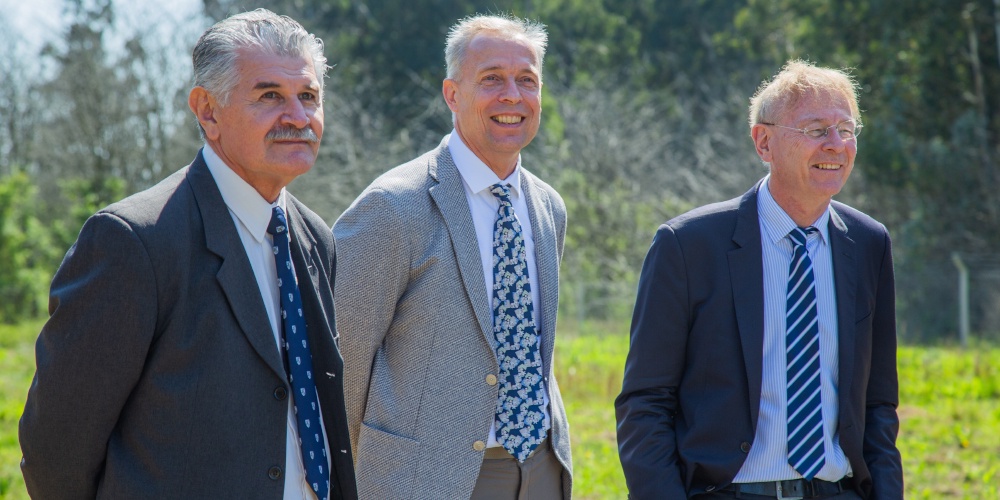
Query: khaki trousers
x=501 y=477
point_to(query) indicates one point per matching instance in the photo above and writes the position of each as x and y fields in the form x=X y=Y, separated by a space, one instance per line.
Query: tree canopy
x=644 y=116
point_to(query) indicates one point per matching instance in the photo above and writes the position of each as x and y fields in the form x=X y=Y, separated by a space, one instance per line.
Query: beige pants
x=501 y=477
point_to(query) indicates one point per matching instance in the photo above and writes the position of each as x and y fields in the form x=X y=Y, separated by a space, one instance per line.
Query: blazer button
x=280 y=393
x=710 y=489
x=491 y=379
x=274 y=473
x=745 y=447
x=479 y=446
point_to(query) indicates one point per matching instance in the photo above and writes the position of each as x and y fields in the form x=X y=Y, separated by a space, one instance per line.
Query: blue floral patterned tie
x=519 y=418
x=805 y=415
x=300 y=372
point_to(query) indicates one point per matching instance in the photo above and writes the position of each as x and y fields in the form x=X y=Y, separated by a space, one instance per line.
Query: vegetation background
x=644 y=117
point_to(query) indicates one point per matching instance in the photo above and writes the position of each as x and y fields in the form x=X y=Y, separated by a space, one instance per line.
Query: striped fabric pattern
x=805 y=418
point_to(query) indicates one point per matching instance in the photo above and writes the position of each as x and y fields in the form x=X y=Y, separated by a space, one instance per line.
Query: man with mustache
x=191 y=349
x=448 y=293
x=762 y=361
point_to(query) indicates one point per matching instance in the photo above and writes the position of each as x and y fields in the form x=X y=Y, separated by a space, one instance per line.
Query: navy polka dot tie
x=519 y=417
x=299 y=361
x=805 y=415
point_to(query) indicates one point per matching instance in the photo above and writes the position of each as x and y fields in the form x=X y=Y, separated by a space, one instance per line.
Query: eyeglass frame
x=826 y=130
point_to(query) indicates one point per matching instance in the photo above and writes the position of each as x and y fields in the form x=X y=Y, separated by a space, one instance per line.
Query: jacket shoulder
x=708 y=219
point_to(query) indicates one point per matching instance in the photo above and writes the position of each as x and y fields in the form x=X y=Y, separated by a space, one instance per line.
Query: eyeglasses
x=847 y=130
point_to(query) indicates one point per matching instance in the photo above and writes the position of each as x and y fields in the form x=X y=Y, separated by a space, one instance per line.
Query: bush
x=26 y=251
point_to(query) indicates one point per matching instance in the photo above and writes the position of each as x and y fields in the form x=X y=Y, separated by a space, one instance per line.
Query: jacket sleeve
x=881 y=421
x=647 y=405
x=372 y=273
x=89 y=356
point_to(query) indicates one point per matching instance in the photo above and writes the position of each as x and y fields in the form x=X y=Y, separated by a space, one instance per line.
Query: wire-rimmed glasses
x=847 y=130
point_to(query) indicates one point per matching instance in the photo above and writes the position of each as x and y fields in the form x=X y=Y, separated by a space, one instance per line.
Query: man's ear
x=204 y=106
x=762 y=142
x=449 y=89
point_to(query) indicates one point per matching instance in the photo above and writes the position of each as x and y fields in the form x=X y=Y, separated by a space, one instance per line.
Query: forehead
x=491 y=51
x=817 y=105
x=256 y=66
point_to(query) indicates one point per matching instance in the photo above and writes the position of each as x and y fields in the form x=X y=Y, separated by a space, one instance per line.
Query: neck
x=501 y=164
x=802 y=213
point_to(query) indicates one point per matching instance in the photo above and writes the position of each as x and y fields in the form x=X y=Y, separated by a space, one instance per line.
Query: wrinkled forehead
x=816 y=100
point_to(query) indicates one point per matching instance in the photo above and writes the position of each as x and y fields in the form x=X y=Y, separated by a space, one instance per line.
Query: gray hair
x=215 y=54
x=503 y=25
x=795 y=80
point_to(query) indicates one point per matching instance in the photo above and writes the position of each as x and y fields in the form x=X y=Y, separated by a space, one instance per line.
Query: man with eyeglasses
x=762 y=361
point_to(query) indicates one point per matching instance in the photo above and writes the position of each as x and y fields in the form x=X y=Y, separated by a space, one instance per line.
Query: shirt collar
x=476 y=174
x=777 y=224
x=242 y=199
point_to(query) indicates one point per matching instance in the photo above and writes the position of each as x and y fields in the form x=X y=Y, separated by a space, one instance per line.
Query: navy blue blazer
x=690 y=398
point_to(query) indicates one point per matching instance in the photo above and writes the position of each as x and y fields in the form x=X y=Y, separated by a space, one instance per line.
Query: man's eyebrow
x=273 y=85
x=266 y=85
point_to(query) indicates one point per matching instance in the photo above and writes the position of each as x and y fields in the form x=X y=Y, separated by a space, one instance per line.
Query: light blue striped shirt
x=768 y=457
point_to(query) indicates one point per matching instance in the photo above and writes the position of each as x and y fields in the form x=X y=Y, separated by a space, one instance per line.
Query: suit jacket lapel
x=747 y=275
x=842 y=250
x=449 y=196
x=307 y=271
x=235 y=275
x=546 y=260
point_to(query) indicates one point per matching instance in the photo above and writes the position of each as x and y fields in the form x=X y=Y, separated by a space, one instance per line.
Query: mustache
x=292 y=133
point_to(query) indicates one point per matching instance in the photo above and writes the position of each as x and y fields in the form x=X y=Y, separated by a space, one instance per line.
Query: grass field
x=950 y=412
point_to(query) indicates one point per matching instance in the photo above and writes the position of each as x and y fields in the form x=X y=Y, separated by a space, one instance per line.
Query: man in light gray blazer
x=161 y=371
x=439 y=405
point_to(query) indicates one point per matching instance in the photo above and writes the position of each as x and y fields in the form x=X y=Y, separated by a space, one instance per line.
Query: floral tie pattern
x=519 y=417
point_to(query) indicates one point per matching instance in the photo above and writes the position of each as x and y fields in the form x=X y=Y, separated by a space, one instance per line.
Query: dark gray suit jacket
x=691 y=394
x=157 y=372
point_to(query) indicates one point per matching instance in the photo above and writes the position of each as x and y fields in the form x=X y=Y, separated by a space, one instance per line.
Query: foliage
x=645 y=100
x=26 y=252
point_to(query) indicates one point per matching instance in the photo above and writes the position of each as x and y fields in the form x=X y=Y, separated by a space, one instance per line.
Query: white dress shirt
x=768 y=457
x=251 y=214
x=477 y=179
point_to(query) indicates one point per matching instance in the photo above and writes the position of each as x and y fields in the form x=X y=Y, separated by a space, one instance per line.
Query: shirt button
x=479 y=446
x=745 y=447
x=280 y=393
x=491 y=379
x=274 y=473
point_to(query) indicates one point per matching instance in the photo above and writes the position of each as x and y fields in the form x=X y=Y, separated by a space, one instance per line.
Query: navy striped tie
x=805 y=416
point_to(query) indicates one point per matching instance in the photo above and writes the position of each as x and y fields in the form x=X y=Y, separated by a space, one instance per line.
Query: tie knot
x=278 y=224
x=501 y=191
x=799 y=235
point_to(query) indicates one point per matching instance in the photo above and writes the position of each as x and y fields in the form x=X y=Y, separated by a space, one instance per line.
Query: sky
x=39 y=21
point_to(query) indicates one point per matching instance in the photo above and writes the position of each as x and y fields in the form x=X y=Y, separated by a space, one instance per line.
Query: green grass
x=17 y=357
x=950 y=413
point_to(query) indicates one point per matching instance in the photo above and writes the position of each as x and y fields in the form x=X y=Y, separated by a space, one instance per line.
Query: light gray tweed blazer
x=414 y=319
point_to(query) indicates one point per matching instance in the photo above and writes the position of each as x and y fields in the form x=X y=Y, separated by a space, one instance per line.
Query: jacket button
x=710 y=488
x=274 y=473
x=491 y=379
x=280 y=393
x=479 y=446
x=745 y=447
